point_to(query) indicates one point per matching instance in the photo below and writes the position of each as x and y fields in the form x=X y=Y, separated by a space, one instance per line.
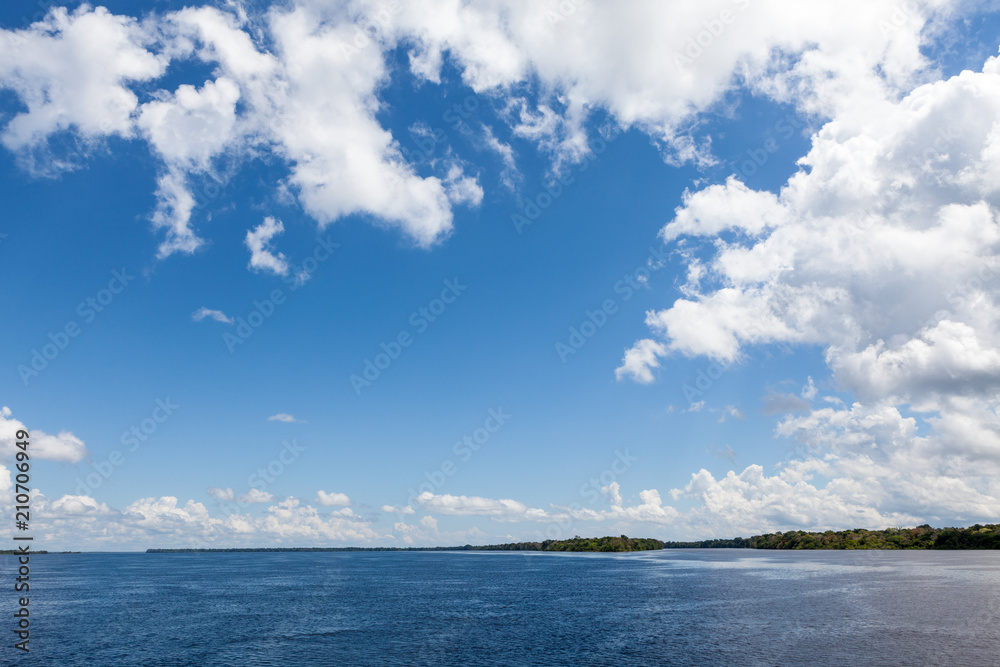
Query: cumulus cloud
x=883 y=250
x=392 y=509
x=498 y=510
x=640 y=361
x=256 y=496
x=72 y=71
x=216 y=315
x=220 y=493
x=174 y=204
x=62 y=447
x=310 y=97
x=262 y=256
x=284 y=417
x=332 y=498
x=83 y=522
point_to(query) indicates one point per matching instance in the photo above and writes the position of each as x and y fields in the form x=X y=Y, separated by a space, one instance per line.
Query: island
x=592 y=544
x=921 y=537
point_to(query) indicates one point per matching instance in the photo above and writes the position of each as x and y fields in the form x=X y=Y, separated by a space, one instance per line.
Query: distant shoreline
x=924 y=537
x=976 y=536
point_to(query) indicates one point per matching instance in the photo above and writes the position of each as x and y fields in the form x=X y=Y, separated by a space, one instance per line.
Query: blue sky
x=771 y=354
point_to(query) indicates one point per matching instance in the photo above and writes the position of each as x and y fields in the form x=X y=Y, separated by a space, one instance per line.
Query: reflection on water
x=683 y=607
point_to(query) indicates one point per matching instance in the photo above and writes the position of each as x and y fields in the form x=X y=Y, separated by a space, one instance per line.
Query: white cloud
x=220 y=493
x=190 y=126
x=809 y=391
x=83 y=522
x=62 y=447
x=216 y=315
x=332 y=498
x=391 y=509
x=884 y=250
x=256 y=496
x=284 y=417
x=311 y=96
x=498 y=510
x=632 y=60
x=174 y=204
x=72 y=70
x=78 y=505
x=510 y=175
x=641 y=360
x=258 y=241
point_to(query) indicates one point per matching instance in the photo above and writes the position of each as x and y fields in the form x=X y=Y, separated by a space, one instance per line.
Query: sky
x=405 y=274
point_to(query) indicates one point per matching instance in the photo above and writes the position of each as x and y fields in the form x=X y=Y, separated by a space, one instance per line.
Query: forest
x=621 y=543
x=921 y=537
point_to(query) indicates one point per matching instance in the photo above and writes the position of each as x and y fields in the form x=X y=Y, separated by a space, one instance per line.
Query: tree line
x=921 y=537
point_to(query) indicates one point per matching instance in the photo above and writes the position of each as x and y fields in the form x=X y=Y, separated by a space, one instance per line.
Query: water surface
x=671 y=607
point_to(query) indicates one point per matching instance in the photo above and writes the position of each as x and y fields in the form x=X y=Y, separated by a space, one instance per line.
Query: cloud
x=219 y=493
x=258 y=241
x=284 y=417
x=342 y=160
x=62 y=447
x=82 y=522
x=640 y=361
x=216 y=315
x=333 y=498
x=809 y=391
x=498 y=510
x=510 y=175
x=883 y=250
x=635 y=61
x=256 y=496
x=174 y=204
x=78 y=505
x=293 y=83
x=405 y=509
x=72 y=70
x=190 y=126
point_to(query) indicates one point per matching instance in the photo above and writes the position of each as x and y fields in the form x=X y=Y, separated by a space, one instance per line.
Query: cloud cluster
x=301 y=82
x=884 y=250
x=64 y=447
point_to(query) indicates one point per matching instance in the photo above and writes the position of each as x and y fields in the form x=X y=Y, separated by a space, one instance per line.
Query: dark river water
x=672 y=607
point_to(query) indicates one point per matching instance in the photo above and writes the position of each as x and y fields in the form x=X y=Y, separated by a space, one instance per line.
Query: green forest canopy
x=921 y=537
